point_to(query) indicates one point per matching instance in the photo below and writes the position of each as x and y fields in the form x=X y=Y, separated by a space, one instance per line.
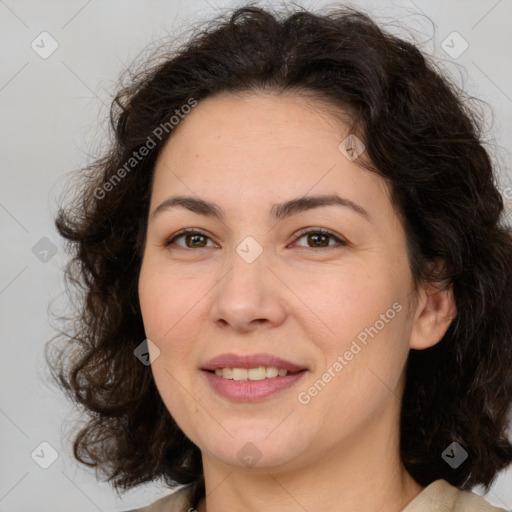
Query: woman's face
x=259 y=282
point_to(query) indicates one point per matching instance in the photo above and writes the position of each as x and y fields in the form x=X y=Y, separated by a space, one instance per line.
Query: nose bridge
x=248 y=263
x=249 y=250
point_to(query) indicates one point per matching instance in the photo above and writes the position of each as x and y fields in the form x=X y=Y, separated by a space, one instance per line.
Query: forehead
x=245 y=120
x=270 y=145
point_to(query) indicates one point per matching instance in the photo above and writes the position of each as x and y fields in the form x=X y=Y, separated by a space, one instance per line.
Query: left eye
x=318 y=237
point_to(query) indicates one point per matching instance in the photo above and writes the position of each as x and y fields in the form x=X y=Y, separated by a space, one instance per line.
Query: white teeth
x=259 y=373
x=272 y=371
x=239 y=373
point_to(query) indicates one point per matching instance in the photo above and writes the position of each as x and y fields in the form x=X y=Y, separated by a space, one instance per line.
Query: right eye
x=194 y=239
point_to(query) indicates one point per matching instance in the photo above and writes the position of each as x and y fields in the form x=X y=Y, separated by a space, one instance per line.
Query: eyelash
x=300 y=234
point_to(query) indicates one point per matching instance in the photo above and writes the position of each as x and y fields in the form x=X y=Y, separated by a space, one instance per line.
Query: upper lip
x=250 y=361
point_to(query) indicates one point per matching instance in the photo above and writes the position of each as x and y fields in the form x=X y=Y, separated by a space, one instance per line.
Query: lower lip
x=251 y=390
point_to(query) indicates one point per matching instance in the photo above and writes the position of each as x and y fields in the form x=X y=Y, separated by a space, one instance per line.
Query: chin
x=256 y=452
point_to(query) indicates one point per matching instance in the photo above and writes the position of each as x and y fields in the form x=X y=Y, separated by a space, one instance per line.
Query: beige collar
x=441 y=496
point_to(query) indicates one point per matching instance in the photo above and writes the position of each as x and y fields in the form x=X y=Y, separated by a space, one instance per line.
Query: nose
x=249 y=295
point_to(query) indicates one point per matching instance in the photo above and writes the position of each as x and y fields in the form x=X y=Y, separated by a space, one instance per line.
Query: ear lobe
x=435 y=311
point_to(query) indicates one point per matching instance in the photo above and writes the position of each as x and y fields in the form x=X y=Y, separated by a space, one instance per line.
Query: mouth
x=253 y=374
x=248 y=378
x=253 y=363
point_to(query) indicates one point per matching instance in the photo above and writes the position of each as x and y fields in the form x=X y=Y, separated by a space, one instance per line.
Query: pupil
x=194 y=239
x=317 y=236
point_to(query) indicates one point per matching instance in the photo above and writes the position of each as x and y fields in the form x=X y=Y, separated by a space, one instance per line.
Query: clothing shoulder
x=441 y=496
x=466 y=500
x=178 y=501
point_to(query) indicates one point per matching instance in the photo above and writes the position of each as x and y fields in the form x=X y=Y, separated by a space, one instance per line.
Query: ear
x=434 y=313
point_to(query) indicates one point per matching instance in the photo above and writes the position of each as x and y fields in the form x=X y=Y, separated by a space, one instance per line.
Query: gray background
x=50 y=111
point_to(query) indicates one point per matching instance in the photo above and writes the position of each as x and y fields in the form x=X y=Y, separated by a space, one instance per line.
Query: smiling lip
x=250 y=361
x=247 y=390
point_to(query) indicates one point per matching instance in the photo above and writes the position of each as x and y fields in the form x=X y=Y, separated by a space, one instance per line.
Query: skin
x=299 y=300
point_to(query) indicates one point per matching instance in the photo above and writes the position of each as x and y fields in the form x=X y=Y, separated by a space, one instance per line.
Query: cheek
x=164 y=316
x=348 y=302
x=359 y=380
x=368 y=328
x=170 y=306
x=153 y=303
x=164 y=301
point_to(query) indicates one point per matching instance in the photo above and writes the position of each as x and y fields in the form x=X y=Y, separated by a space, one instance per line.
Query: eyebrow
x=278 y=211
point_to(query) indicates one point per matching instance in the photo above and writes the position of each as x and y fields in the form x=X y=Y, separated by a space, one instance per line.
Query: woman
x=296 y=278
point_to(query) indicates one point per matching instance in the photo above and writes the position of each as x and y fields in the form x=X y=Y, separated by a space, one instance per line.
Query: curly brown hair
x=420 y=134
